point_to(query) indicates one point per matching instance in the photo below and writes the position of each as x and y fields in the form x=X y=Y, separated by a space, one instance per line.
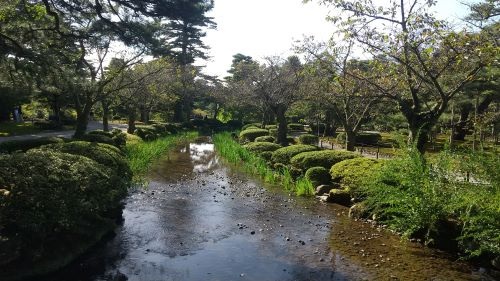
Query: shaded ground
x=202 y=220
x=93 y=125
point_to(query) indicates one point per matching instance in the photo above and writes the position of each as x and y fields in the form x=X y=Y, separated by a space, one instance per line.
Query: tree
x=419 y=62
x=350 y=99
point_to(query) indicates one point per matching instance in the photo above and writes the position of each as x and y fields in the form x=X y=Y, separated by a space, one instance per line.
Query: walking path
x=93 y=125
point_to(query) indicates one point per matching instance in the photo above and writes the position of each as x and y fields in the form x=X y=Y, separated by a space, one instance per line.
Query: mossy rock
x=283 y=155
x=318 y=176
x=259 y=147
x=265 y=139
x=339 y=196
x=322 y=158
x=251 y=134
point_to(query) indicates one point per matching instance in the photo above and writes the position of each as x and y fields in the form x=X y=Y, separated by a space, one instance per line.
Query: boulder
x=339 y=196
x=358 y=211
x=322 y=189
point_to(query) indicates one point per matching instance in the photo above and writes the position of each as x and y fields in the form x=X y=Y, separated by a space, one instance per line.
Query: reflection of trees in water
x=203 y=156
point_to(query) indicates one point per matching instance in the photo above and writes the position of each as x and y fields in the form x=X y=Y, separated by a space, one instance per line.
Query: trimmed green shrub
x=101 y=133
x=146 y=133
x=24 y=145
x=251 y=134
x=323 y=158
x=104 y=154
x=45 y=192
x=259 y=147
x=291 y=140
x=296 y=127
x=308 y=139
x=265 y=139
x=96 y=138
x=283 y=155
x=370 y=138
x=352 y=173
x=318 y=176
x=251 y=125
x=269 y=127
x=119 y=138
x=266 y=155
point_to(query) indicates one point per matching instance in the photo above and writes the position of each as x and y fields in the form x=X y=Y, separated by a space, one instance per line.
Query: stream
x=203 y=219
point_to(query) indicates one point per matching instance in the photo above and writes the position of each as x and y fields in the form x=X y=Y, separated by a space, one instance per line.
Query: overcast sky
x=260 y=28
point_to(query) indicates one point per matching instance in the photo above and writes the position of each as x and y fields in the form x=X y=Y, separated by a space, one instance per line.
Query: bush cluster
x=283 y=155
x=323 y=158
x=296 y=127
x=251 y=125
x=308 y=139
x=353 y=173
x=369 y=138
x=259 y=147
x=24 y=145
x=116 y=137
x=318 y=176
x=249 y=135
x=156 y=130
x=265 y=139
x=46 y=193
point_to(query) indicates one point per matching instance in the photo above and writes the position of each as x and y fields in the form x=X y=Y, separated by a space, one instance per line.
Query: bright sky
x=260 y=28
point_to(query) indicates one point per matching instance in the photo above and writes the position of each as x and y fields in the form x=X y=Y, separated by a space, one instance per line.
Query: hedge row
x=283 y=155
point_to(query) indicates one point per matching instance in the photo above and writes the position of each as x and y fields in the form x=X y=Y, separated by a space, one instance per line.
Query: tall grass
x=141 y=155
x=416 y=196
x=251 y=163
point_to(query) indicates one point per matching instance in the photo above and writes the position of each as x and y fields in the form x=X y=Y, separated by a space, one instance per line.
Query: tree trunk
x=144 y=116
x=131 y=123
x=282 y=125
x=460 y=129
x=82 y=121
x=419 y=136
x=57 y=111
x=329 y=124
x=105 y=116
x=178 y=112
x=350 y=140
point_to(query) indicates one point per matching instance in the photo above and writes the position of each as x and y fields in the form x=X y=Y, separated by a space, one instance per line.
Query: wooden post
x=378 y=150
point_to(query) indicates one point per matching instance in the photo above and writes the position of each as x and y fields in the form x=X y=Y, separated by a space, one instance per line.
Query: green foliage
x=141 y=155
x=147 y=133
x=259 y=147
x=104 y=154
x=251 y=134
x=118 y=137
x=96 y=138
x=323 y=158
x=283 y=155
x=415 y=197
x=296 y=127
x=370 y=138
x=24 y=145
x=352 y=174
x=318 y=176
x=46 y=125
x=308 y=139
x=265 y=139
x=304 y=187
x=45 y=192
x=251 y=126
x=269 y=127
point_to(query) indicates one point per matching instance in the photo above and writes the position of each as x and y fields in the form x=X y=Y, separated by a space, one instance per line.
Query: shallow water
x=201 y=219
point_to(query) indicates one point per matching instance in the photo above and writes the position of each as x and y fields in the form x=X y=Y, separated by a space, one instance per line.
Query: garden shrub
x=251 y=125
x=251 y=134
x=322 y=158
x=266 y=155
x=96 y=138
x=47 y=125
x=265 y=139
x=24 y=145
x=104 y=154
x=283 y=155
x=318 y=176
x=296 y=127
x=146 y=133
x=259 y=147
x=353 y=173
x=234 y=124
x=45 y=192
x=101 y=133
x=269 y=127
x=119 y=138
x=291 y=140
x=308 y=139
x=370 y=138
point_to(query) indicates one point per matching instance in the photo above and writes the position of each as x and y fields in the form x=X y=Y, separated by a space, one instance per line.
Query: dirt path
x=202 y=220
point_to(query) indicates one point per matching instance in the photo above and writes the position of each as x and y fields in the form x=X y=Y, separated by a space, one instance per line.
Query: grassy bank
x=141 y=155
x=233 y=152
